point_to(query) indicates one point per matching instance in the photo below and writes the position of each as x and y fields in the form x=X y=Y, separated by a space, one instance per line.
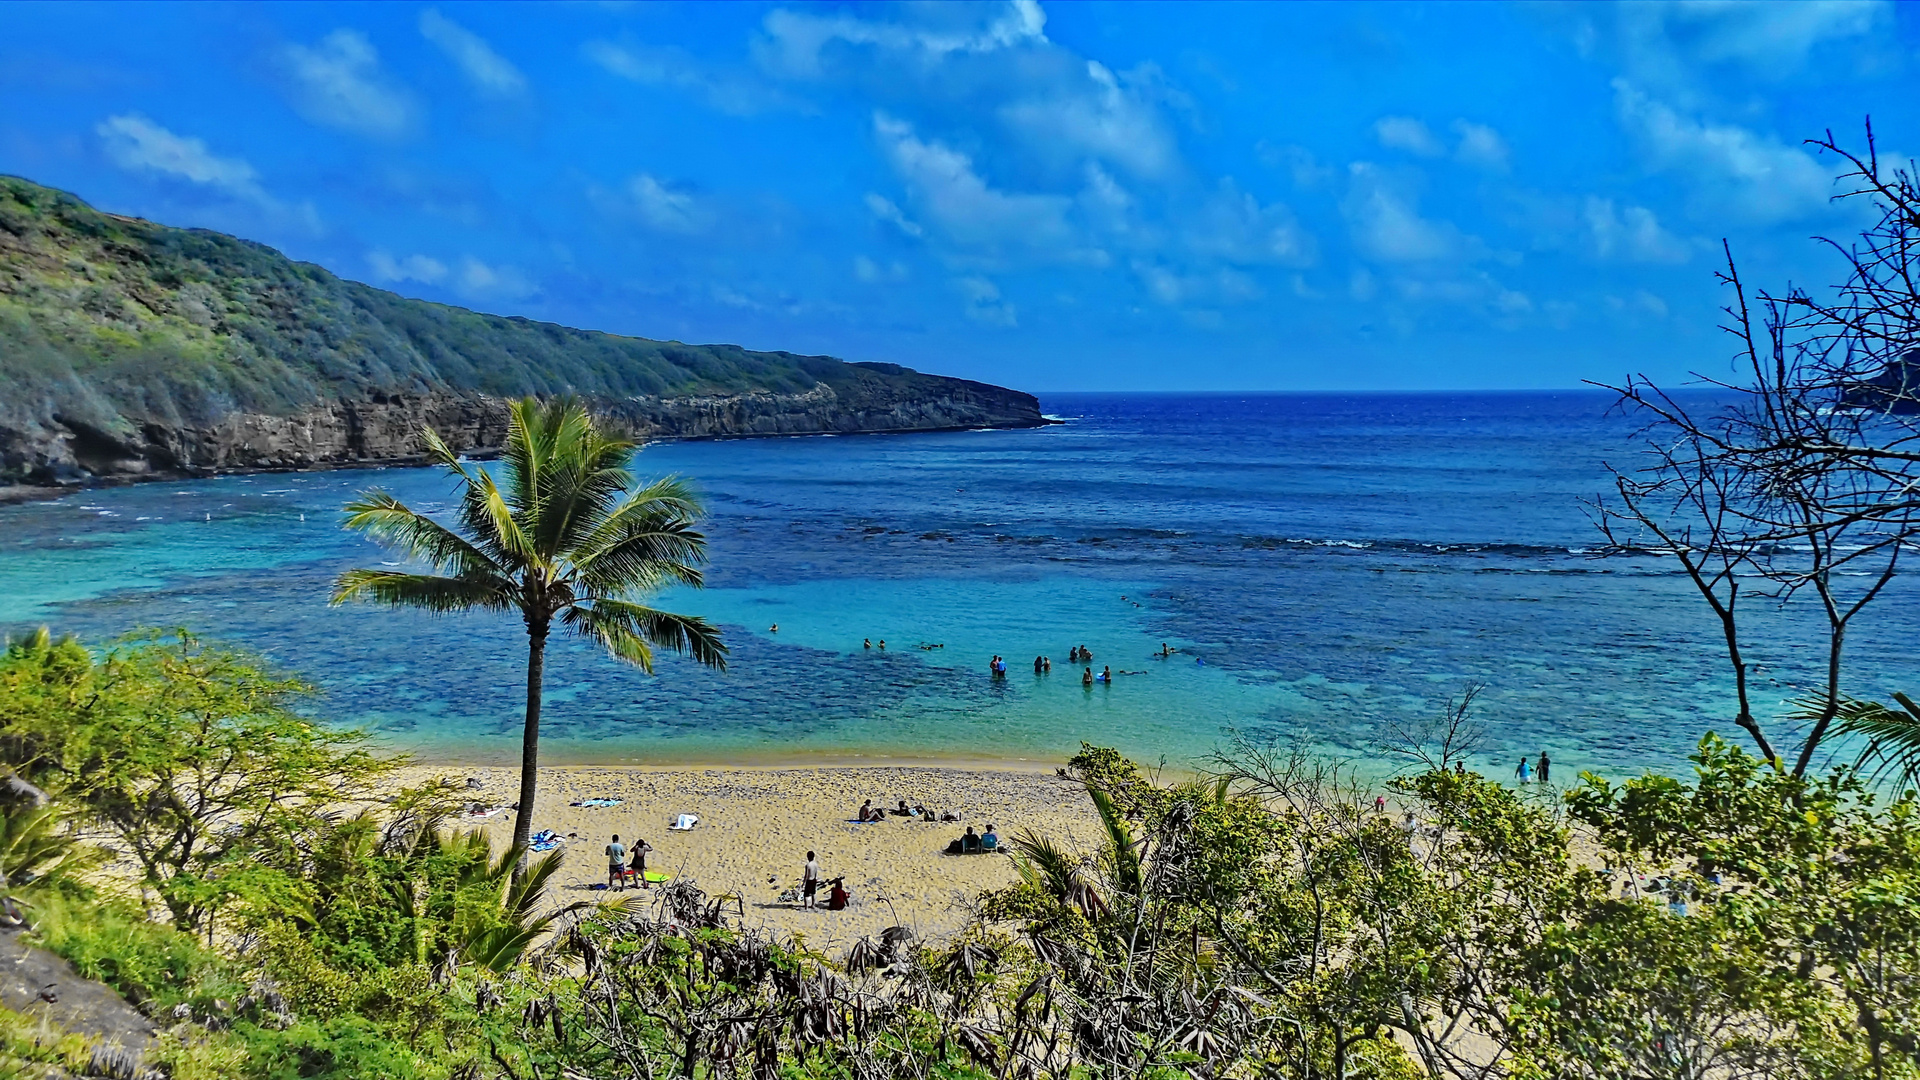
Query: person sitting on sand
x=837 y=896
x=901 y=810
x=989 y=840
x=1086 y=677
x=639 y=864
x=970 y=843
x=866 y=811
x=616 y=863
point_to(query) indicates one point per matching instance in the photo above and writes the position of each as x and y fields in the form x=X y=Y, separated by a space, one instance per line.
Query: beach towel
x=685 y=822
x=596 y=802
x=545 y=840
x=487 y=813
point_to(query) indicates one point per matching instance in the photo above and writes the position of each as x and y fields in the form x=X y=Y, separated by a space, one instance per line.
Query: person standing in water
x=1525 y=772
x=1545 y=765
x=1106 y=673
x=1036 y=665
x=1086 y=678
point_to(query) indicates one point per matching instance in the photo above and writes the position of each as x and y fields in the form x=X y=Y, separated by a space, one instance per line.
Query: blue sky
x=1064 y=196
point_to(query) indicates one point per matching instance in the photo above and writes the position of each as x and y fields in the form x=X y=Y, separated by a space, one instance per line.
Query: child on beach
x=809 y=881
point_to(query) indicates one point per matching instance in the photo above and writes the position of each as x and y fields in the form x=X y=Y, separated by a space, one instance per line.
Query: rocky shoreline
x=382 y=430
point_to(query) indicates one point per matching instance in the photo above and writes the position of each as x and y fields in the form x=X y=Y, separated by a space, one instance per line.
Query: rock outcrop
x=130 y=350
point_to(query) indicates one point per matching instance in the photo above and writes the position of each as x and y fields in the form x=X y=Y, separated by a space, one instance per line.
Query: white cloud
x=489 y=72
x=1098 y=117
x=137 y=143
x=1731 y=169
x=1406 y=133
x=1765 y=37
x=872 y=273
x=1223 y=285
x=984 y=303
x=480 y=281
x=664 y=208
x=1631 y=233
x=1480 y=146
x=1387 y=225
x=966 y=207
x=723 y=89
x=886 y=210
x=1234 y=227
x=421 y=268
x=338 y=83
x=795 y=40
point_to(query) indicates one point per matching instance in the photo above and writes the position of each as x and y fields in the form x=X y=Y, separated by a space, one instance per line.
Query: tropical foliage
x=565 y=539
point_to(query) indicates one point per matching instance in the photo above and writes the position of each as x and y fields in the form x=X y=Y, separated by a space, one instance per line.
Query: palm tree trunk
x=530 y=745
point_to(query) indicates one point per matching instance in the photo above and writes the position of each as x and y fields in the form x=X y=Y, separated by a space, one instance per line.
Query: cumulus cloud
x=888 y=211
x=137 y=144
x=1098 y=116
x=1223 y=285
x=1233 y=226
x=1732 y=169
x=420 y=268
x=794 y=40
x=871 y=272
x=966 y=207
x=1480 y=146
x=664 y=207
x=1406 y=133
x=483 y=282
x=338 y=82
x=134 y=142
x=1387 y=225
x=1630 y=233
x=722 y=88
x=984 y=303
x=488 y=71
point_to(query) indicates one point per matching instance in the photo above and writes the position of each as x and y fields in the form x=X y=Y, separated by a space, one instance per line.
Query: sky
x=1081 y=196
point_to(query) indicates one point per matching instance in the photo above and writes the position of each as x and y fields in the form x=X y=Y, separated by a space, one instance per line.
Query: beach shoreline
x=757 y=823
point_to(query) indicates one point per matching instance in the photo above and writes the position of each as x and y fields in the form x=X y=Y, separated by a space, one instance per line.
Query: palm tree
x=564 y=538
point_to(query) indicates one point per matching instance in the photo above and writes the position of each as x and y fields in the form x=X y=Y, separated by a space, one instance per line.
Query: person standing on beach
x=616 y=863
x=809 y=881
x=639 y=864
x=1545 y=765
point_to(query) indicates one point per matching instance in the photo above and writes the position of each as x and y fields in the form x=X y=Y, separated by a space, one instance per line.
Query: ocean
x=1328 y=568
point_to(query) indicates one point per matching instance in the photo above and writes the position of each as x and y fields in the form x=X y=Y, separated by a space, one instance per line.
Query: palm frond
x=441 y=595
x=393 y=523
x=647 y=555
x=632 y=631
x=1892 y=735
x=502 y=525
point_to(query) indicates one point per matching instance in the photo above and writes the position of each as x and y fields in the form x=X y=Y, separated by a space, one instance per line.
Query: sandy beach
x=757 y=824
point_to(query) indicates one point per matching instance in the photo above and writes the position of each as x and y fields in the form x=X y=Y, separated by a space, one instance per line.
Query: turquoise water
x=1326 y=566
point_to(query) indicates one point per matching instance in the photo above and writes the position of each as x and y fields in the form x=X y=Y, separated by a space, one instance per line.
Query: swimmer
x=1086 y=677
x=774 y=629
x=883 y=644
x=866 y=643
x=1085 y=654
x=1038 y=666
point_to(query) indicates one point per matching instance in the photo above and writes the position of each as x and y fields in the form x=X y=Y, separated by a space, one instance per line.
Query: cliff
x=131 y=349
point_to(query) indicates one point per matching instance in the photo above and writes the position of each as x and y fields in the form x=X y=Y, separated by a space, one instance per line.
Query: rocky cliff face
x=387 y=429
x=130 y=349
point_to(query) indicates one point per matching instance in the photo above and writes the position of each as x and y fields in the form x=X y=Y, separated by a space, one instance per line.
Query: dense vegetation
x=108 y=324
x=1267 y=921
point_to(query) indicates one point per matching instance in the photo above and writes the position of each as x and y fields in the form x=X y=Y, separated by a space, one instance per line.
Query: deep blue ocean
x=1326 y=565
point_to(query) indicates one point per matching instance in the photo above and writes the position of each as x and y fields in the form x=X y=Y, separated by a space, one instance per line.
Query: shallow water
x=1326 y=565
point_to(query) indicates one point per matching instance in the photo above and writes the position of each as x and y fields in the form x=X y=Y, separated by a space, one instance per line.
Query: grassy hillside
x=112 y=326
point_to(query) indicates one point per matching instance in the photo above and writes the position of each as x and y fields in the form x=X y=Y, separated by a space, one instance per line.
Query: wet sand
x=757 y=825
